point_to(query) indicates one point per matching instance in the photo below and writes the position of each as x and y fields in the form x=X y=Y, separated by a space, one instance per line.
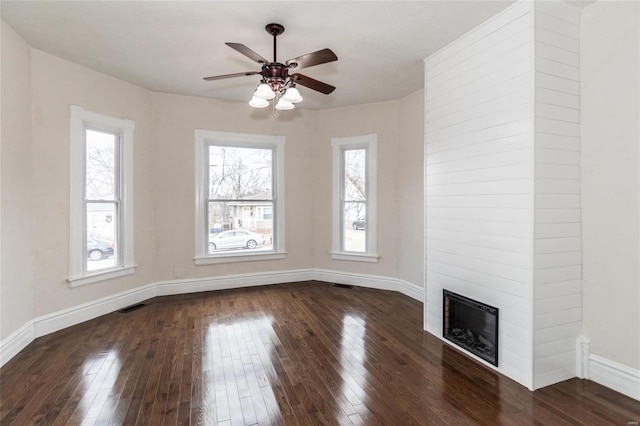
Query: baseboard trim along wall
x=55 y=321
x=614 y=375
x=606 y=372
x=17 y=341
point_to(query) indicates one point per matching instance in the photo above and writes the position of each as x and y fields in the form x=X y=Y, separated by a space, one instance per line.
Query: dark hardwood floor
x=304 y=353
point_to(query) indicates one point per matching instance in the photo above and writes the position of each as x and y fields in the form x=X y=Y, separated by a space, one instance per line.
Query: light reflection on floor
x=99 y=375
x=353 y=355
x=238 y=371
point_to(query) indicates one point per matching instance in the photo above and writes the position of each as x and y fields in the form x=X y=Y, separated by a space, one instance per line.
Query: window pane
x=101 y=236
x=354 y=231
x=237 y=226
x=100 y=165
x=240 y=173
x=355 y=184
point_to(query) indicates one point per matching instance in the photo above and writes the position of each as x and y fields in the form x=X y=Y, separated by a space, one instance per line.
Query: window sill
x=101 y=276
x=235 y=257
x=353 y=257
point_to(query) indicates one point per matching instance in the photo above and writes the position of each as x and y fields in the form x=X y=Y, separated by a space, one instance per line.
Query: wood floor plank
x=289 y=354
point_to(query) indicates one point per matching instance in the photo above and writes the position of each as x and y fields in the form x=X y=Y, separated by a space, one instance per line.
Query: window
x=101 y=245
x=240 y=197
x=354 y=198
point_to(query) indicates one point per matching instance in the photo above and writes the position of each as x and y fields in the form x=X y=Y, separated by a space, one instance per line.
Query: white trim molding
x=55 y=321
x=16 y=341
x=371 y=281
x=614 y=375
x=583 y=347
x=339 y=145
x=205 y=138
x=80 y=120
x=225 y=282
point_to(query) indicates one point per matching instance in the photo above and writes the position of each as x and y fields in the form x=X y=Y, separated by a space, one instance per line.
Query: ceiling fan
x=276 y=80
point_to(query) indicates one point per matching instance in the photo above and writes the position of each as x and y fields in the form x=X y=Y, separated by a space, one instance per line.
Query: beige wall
x=410 y=189
x=56 y=84
x=610 y=96
x=16 y=278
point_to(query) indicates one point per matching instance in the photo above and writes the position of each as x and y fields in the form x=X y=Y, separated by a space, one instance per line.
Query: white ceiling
x=169 y=46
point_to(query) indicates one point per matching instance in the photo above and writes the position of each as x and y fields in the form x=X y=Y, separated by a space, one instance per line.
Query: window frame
x=339 y=145
x=80 y=121
x=205 y=138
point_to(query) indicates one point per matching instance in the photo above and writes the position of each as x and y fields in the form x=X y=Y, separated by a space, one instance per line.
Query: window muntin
x=240 y=187
x=354 y=198
x=101 y=197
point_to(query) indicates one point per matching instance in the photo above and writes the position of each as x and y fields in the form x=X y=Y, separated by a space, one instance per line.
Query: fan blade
x=311 y=83
x=248 y=52
x=316 y=58
x=237 y=74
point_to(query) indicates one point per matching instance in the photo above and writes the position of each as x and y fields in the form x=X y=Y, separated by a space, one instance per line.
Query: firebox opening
x=470 y=324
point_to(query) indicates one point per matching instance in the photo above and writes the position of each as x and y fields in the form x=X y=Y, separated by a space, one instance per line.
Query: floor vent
x=131 y=308
x=343 y=285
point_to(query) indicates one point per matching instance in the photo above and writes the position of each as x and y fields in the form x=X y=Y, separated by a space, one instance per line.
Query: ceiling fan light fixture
x=256 y=102
x=264 y=91
x=284 y=105
x=292 y=95
x=276 y=83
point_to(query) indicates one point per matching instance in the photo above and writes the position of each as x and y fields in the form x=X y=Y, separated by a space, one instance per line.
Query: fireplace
x=470 y=324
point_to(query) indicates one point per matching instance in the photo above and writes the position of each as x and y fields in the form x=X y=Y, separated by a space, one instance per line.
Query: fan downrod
x=274 y=29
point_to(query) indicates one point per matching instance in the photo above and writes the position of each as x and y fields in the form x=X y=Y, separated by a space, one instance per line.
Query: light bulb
x=264 y=92
x=284 y=105
x=258 y=102
x=292 y=95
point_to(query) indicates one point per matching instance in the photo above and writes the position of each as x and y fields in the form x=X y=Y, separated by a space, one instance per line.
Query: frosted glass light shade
x=258 y=102
x=264 y=92
x=284 y=105
x=292 y=95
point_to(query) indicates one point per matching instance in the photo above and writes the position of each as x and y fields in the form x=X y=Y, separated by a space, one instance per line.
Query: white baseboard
x=614 y=375
x=55 y=321
x=16 y=341
x=411 y=290
x=371 y=281
x=195 y=285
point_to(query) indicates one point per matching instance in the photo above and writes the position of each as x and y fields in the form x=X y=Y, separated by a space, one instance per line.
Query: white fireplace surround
x=503 y=191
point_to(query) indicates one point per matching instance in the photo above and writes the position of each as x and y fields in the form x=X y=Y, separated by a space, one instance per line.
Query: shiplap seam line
x=487 y=56
x=478 y=81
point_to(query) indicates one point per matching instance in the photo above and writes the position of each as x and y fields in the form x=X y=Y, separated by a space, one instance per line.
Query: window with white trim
x=101 y=205
x=354 y=198
x=239 y=197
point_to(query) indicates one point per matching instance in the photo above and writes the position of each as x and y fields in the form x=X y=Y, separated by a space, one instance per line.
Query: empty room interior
x=310 y=212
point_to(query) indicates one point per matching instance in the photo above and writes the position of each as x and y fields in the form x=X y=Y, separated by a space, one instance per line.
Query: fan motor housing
x=275 y=70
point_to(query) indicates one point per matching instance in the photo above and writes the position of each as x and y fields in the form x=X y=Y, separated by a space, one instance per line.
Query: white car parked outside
x=238 y=238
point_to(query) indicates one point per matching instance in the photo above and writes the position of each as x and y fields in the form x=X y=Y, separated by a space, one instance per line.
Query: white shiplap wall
x=479 y=179
x=558 y=243
x=502 y=184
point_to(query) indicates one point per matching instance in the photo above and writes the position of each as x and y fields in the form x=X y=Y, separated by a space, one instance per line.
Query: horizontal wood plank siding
x=558 y=242
x=479 y=179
